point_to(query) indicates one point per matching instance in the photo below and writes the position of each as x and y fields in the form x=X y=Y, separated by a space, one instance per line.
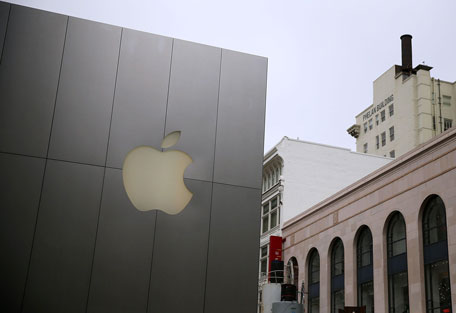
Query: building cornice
x=270 y=192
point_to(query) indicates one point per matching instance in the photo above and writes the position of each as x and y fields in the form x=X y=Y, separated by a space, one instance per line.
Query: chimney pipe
x=406 y=53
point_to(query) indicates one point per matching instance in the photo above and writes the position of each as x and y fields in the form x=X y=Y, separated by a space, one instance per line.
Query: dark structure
x=406 y=43
x=75 y=97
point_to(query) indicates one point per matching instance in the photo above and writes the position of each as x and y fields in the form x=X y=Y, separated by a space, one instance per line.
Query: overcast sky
x=323 y=55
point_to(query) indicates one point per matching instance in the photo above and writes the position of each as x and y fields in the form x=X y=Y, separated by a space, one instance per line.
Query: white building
x=297 y=175
x=410 y=107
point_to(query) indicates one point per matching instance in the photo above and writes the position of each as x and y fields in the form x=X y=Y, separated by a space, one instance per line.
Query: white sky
x=323 y=55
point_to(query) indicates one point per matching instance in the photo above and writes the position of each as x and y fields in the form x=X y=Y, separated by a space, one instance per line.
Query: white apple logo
x=154 y=180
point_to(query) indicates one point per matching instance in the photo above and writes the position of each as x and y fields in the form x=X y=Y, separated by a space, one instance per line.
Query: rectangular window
x=265 y=226
x=392 y=154
x=391 y=130
x=446 y=100
x=274 y=219
x=398 y=292
x=265 y=218
x=264 y=260
x=270 y=215
x=264 y=251
x=273 y=203
x=391 y=109
x=376 y=119
x=377 y=141
x=438 y=291
x=365 y=127
x=447 y=123
x=382 y=115
x=383 y=138
x=370 y=124
x=365 y=148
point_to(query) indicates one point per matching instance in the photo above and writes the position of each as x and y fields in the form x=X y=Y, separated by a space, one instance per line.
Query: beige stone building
x=387 y=242
x=409 y=107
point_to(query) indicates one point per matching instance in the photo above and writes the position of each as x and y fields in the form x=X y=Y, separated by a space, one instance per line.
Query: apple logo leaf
x=171 y=139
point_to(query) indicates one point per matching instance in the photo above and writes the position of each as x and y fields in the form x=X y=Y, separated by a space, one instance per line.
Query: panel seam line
x=212 y=185
x=103 y=179
x=44 y=169
x=156 y=212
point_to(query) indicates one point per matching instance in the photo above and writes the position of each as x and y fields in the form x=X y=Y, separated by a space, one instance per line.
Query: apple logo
x=154 y=179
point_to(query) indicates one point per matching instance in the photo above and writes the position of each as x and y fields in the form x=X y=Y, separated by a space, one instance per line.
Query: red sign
x=275 y=250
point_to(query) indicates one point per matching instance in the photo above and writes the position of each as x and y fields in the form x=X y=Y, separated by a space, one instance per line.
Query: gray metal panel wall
x=180 y=253
x=240 y=123
x=84 y=247
x=29 y=75
x=20 y=175
x=4 y=13
x=141 y=94
x=192 y=105
x=123 y=255
x=64 y=242
x=85 y=96
x=232 y=265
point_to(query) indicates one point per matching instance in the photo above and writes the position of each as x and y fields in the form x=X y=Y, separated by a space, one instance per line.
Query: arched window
x=397 y=265
x=365 y=269
x=292 y=272
x=337 y=276
x=435 y=248
x=314 y=282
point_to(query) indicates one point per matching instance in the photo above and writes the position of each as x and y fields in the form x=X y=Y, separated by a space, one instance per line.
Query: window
x=396 y=236
x=392 y=154
x=391 y=130
x=270 y=215
x=274 y=217
x=366 y=296
x=382 y=115
x=337 y=276
x=365 y=127
x=365 y=270
x=383 y=138
x=364 y=248
x=446 y=100
x=447 y=123
x=365 y=147
x=292 y=272
x=434 y=222
x=265 y=223
x=391 y=110
x=370 y=124
x=376 y=119
x=377 y=141
x=264 y=260
x=397 y=265
x=271 y=176
x=435 y=252
x=314 y=282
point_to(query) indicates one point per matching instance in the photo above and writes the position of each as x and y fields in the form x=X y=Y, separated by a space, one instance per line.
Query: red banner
x=275 y=251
